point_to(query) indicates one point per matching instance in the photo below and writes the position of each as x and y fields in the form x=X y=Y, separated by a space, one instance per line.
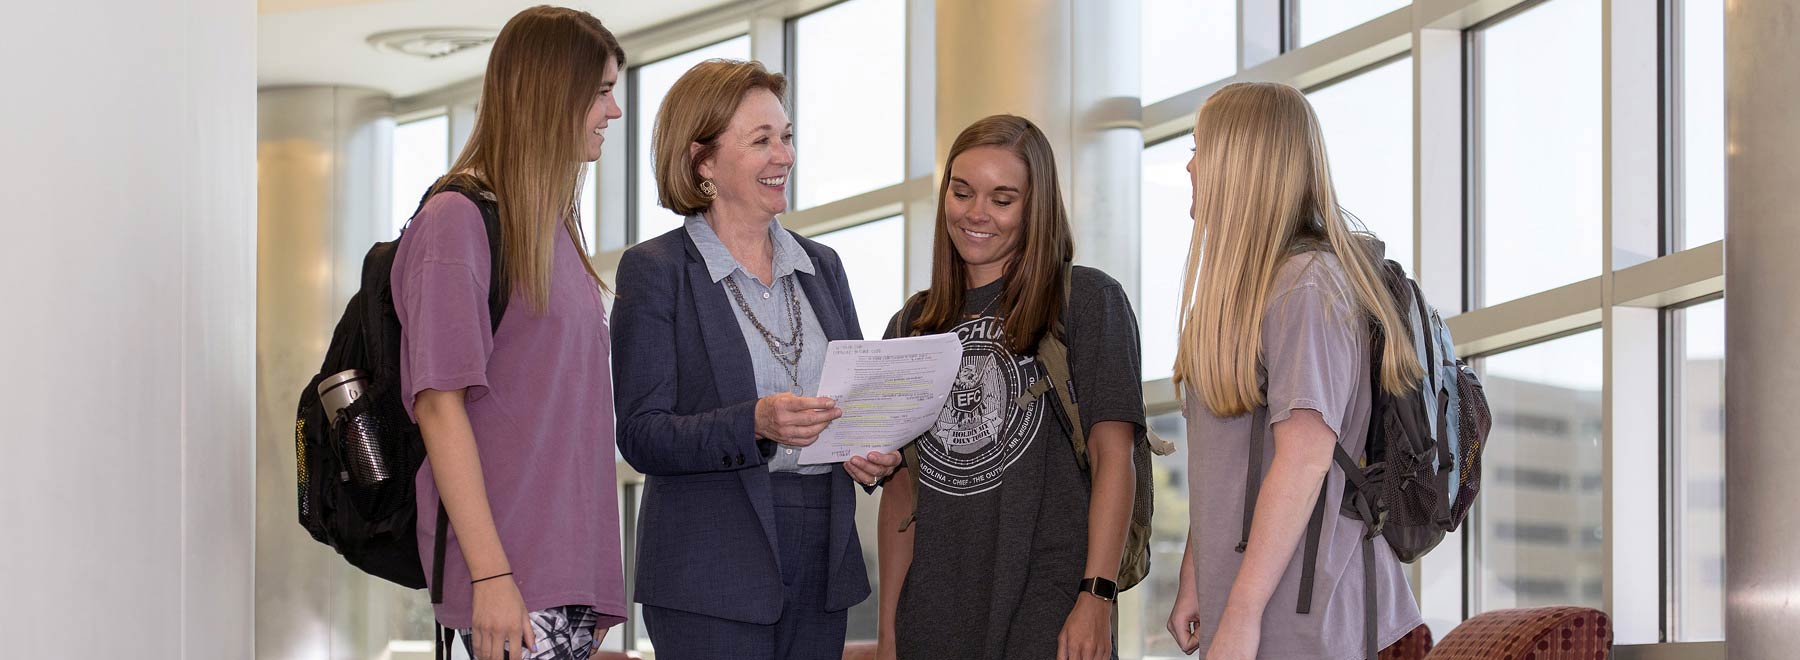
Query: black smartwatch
x=1101 y=588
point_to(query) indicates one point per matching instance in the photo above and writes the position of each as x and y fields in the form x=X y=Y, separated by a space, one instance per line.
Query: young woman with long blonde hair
x=516 y=410
x=1277 y=301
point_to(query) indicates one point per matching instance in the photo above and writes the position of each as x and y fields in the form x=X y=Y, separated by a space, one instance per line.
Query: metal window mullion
x=1672 y=329
x=1673 y=332
x=1671 y=84
x=1472 y=188
x=633 y=146
x=1608 y=478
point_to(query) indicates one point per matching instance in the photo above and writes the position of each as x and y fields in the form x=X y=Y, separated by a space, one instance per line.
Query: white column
x=1762 y=327
x=129 y=252
x=1071 y=67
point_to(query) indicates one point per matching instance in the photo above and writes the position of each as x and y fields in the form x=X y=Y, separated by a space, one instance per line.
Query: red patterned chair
x=1416 y=645
x=1542 y=633
x=1413 y=646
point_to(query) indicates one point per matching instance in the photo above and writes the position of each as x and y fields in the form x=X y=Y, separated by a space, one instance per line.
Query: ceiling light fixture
x=431 y=43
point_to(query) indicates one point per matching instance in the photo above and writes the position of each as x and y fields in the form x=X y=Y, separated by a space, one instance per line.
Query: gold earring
x=708 y=189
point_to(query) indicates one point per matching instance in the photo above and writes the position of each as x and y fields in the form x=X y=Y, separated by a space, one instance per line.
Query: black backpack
x=368 y=520
x=1421 y=467
x=1053 y=353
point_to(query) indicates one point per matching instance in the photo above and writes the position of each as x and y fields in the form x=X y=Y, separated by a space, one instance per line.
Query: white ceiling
x=325 y=42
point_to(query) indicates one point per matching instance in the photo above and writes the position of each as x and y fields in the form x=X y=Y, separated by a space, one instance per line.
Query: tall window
x=849 y=88
x=1186 y=44
x=874 y=261
x=1165 y=198
x=648 y=85
x=1540 y=508
x=1537 y=143
x=1698 y=81
x=1697 y=513
x=421 y=155
x=1313 y=20
x=1368 y=133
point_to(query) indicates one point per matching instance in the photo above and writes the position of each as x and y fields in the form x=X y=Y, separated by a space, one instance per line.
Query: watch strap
x=1101 y=588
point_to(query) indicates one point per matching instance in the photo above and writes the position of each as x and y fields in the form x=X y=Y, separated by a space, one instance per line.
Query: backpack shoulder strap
x=1053 y=353
x=499 y=290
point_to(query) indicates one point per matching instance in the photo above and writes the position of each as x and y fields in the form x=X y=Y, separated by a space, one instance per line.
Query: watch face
x=1101 y=587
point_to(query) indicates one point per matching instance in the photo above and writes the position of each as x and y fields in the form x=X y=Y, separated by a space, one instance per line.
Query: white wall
x=128 y=138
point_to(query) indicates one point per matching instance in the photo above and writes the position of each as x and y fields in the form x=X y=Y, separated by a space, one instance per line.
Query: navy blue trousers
x=805 y=631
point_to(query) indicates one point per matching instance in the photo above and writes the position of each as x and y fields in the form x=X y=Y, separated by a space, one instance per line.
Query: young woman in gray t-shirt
x=1274 y=332
x=1007 y=549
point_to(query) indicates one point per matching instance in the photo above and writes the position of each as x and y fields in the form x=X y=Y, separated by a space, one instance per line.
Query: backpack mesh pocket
x=1474 y=422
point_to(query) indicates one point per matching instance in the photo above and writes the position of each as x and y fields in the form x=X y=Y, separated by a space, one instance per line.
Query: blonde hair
x=527 y=146
x=697 y=110
x=1262 y=188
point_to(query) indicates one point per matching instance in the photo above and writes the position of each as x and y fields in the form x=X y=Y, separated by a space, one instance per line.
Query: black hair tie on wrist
x=490 y=577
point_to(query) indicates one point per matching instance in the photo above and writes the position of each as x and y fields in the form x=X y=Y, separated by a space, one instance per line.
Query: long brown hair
x=1262 y=189
x=1033 y=297
x=527 y=144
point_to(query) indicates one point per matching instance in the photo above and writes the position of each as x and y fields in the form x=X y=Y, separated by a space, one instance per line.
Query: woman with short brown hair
x=721 y=328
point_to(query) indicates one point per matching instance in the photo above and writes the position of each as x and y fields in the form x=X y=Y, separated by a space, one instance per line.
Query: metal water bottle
x=359 y=436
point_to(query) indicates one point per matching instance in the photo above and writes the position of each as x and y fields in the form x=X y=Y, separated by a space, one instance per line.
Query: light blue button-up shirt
x=769 y=304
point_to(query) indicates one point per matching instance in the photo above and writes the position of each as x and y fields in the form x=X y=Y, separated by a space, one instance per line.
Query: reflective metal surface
x=323 y=168
x=1762 y=321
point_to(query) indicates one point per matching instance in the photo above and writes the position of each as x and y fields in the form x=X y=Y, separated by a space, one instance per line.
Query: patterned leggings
x=562 y=633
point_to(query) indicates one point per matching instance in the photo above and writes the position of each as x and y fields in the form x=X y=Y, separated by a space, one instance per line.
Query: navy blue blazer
x=686 y=405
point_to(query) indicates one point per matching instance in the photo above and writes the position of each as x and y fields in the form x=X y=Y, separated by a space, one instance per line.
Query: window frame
x=1667 y=280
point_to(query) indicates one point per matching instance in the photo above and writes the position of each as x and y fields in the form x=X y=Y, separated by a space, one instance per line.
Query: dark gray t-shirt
x=1314 y=357
x=1001 y=539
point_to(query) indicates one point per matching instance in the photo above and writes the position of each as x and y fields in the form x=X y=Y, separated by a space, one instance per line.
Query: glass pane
x=1167 y=193
x=1540 y=507
x=1702 y=113
x=651 y=85
x=1368 y=133
x=1186 y=44
x=590 y=211
x=1539 y=144
x=1441 y=585
x=1699 y=487
x=1168 y=537
x=849 y=80
x=874 y=256
x=421 y=155
x=1318 y=19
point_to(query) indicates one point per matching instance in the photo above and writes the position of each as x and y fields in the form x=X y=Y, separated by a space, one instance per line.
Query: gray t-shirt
x=1001 y=539
x=1315 y=357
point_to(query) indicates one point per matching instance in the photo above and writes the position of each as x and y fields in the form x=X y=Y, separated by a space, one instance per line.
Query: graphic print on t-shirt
x=980 y=432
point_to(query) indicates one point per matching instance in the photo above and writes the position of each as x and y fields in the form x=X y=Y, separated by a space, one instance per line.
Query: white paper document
x=890 y=391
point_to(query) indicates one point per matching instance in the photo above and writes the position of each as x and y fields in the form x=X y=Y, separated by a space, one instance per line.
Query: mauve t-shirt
x=1314 y=357
x=539 y=401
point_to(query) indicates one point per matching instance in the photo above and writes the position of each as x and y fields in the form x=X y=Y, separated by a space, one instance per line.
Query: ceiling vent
x=431 y=43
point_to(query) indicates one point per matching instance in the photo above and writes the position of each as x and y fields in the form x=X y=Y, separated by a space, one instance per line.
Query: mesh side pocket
x=308 y=463
x=1475 y=420
x=374 y=449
